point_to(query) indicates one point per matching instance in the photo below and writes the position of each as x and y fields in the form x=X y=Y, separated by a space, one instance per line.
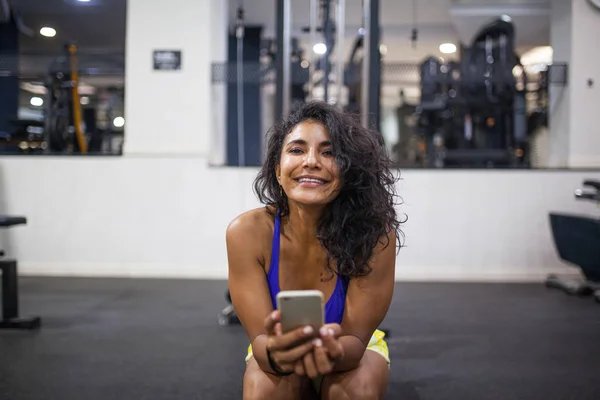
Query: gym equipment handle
x=580 y=194
x=594 y=184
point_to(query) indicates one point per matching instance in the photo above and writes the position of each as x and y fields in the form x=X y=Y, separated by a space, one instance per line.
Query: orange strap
x=76 y=102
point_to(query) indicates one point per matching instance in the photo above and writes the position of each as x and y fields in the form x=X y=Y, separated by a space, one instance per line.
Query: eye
x=328 y=153
x=295 y=150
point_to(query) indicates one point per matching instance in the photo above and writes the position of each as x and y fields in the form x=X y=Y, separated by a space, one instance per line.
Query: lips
x=310 y=181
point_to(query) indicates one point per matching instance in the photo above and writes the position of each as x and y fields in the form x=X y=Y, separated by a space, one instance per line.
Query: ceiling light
x=320 y=48
x=119 y=122
x=83 y=1
x=36 y=101
x=448 y=48
x=48 y=32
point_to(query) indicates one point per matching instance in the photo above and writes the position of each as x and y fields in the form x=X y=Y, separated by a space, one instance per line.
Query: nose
x=311 y=160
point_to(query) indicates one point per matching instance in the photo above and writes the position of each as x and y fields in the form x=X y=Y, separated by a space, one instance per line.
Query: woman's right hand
x=286 y=349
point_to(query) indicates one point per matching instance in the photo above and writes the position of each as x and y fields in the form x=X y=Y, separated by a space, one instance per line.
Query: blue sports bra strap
x=273 y=274
x=345 y=282
x=275 y=242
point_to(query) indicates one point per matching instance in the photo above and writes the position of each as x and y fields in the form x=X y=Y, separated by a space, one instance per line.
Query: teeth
x=311 y=180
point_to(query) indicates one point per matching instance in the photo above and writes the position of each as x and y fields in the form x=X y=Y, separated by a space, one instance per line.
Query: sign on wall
x=167 y=60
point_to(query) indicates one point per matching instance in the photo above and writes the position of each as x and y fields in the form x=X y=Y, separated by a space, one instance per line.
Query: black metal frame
x=10 y=288
x=279 y=60
x=374 y=107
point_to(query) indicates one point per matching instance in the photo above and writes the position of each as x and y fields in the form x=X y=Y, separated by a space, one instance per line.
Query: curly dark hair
x=364 y=211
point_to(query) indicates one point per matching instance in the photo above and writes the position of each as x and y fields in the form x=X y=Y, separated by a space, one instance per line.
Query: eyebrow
x=303 y=142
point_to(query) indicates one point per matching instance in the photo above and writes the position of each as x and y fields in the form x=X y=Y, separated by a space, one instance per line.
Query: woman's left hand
x=327 y=350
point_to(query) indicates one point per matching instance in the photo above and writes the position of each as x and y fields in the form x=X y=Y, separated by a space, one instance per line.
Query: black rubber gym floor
x=159 y=339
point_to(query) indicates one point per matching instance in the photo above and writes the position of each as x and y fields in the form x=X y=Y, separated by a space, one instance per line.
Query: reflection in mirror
x=62 y=86
x=448 y=87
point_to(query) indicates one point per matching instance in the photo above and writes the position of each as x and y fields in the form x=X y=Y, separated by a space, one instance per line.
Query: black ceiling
x=96 y=25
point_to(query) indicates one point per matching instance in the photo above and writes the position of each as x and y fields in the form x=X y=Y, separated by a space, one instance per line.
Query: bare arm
x=367 y=302
x=247 y=281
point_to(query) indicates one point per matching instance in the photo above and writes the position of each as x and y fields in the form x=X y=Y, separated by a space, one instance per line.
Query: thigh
x=261 y=385
x=368 y=381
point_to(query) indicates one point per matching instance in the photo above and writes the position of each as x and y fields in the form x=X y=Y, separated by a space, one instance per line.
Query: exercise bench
x=10 y=287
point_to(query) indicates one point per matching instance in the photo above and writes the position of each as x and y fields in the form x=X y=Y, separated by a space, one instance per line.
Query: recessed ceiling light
x=448 y=48
x=83 y=1
x=119 y=122
x=36 y=101
x=48 y=32
x=320 y=48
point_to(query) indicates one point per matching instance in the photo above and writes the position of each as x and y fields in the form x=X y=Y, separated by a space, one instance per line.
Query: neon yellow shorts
x=376 y=344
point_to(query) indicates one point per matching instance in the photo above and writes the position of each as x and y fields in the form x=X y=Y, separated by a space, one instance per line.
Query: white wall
x=166 y=217
x=167 y=112
x=574 y=121
x=560 y=95
x=130 y=216
x=218 y=99
x=584 y=144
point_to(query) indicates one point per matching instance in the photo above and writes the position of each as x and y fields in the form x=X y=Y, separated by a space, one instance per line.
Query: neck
x=302 y=222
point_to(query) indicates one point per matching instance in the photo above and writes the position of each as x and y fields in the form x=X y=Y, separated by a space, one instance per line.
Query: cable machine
x=332 y=26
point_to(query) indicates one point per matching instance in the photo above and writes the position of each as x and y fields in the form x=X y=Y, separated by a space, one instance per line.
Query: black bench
x=10 y=287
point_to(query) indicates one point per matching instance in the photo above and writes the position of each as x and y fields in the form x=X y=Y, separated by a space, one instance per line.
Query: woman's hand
x=327 y=350
x=287 y=349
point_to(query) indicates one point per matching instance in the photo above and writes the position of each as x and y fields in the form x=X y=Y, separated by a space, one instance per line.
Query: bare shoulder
x=256 y=224
x=248 y=237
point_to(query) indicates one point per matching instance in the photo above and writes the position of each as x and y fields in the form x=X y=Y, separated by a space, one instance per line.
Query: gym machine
x=577 y=241
x=409 y=151
x=364 y=72
x=17 y=135
x=472 y=113
x=10 y=286
x=63 y=120
x=228 y=316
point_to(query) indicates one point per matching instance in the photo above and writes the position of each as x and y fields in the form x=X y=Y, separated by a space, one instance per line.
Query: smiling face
x=307 y=170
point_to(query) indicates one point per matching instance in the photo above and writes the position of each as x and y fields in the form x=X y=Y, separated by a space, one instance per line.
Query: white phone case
x=300 y=308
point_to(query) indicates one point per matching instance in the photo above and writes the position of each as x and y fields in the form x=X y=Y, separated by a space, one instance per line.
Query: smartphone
x=300 y=308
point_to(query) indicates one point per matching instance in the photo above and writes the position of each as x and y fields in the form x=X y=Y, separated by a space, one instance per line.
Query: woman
x=329 y=223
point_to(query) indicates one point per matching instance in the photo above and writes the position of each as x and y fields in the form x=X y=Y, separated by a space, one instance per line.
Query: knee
x=356 y=389
x=260 y=387
x=256 y=388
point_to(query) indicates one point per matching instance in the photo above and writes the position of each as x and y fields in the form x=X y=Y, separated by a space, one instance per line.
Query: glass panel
x=458 y=88
x=62 y=79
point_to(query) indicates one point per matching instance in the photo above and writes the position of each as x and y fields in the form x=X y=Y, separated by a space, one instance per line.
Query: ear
x=277 y=173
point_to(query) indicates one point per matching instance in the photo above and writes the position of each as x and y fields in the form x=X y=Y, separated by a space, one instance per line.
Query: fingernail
x=318 y=342
x=307 y=329
x=274 y=314
x=330 y=332
x=325 y=331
